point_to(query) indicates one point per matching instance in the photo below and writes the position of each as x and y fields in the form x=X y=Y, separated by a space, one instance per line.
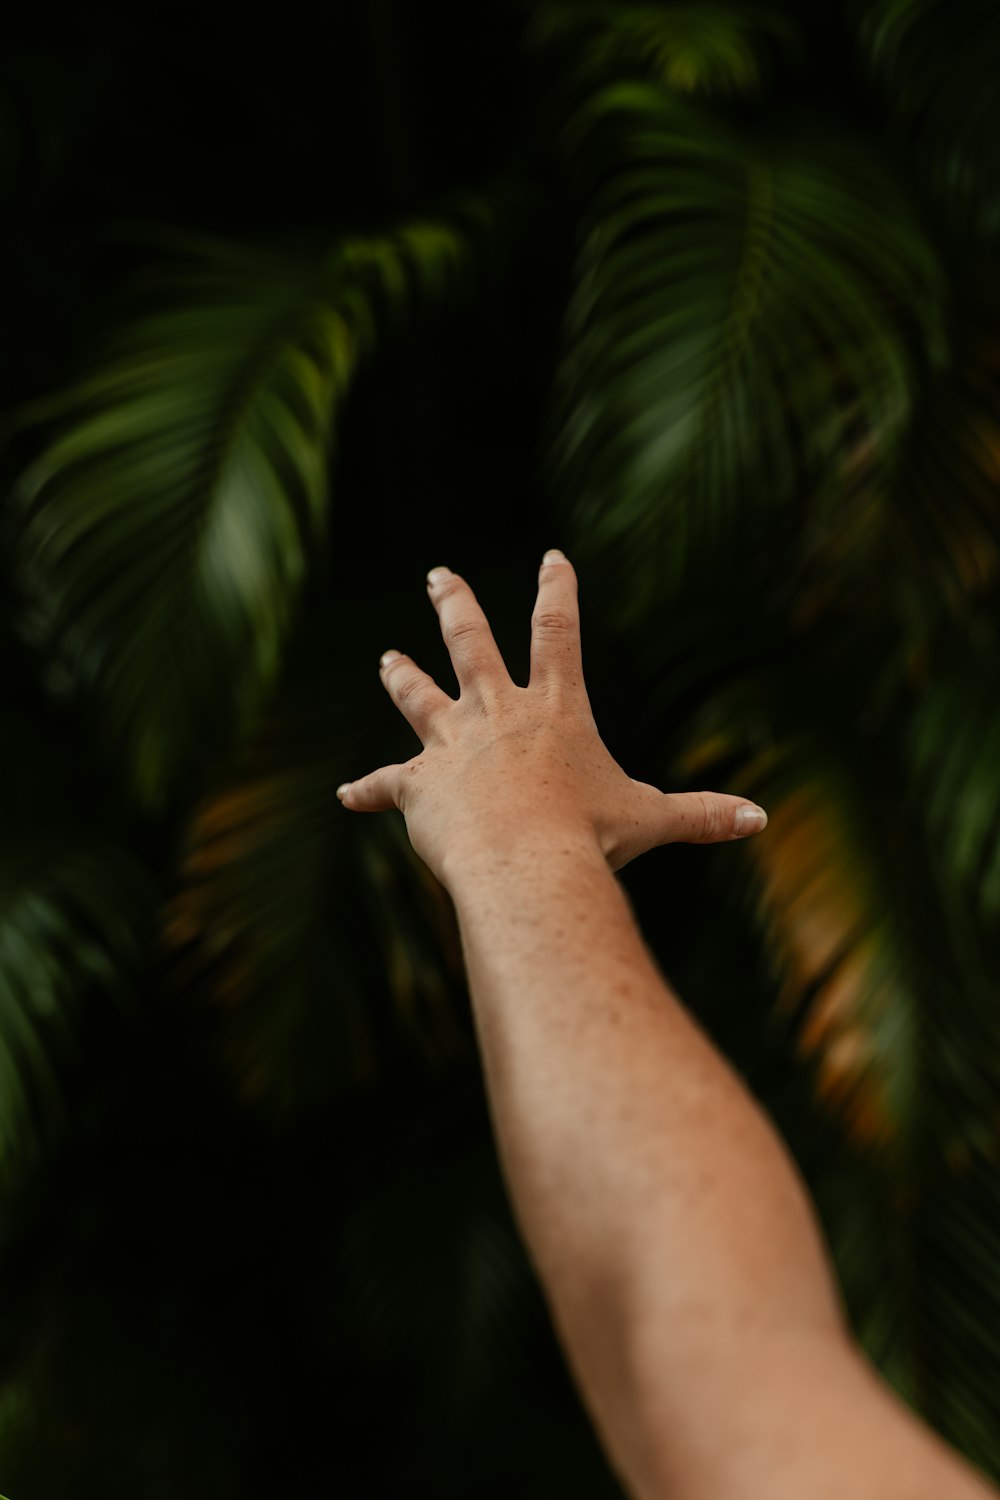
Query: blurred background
x=296 y=305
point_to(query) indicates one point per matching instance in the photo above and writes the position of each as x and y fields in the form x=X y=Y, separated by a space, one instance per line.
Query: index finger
x=556 y=653
x=474 y=653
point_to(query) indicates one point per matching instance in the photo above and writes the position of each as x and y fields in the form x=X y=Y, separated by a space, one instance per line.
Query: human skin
x=678 y=1249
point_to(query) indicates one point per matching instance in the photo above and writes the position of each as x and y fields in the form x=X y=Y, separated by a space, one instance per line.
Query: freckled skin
x=677 y=1247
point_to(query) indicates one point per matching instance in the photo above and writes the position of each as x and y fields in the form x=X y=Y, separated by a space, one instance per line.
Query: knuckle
x=462 y=630
x=409 y=687
x=486 y=704
x=450 y=586
x=710 y=816
x=554 y=621
x=408 y=782
x=389 y=671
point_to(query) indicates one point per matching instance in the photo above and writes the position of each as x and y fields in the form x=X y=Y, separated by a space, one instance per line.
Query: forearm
x=664 y=1215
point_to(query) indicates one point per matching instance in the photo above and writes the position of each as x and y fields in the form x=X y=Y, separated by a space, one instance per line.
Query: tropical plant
x=714 y=310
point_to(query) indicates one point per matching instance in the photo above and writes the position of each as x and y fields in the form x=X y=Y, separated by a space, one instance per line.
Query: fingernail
x=749 y=819
x=436 y=574
x=554 y=555
x=387 y=657
x=343 y=790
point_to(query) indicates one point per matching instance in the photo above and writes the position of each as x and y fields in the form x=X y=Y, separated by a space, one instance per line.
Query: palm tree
x=726 y=293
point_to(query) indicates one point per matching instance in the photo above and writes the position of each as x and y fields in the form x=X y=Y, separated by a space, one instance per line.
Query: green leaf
x=711 y=49
x=827 y=926
x=76 y=910
x=168 y=529
x=319 y=937
x=953 y=745
x=937 y=62
x=744 y=305
x=885 y=987
x=915 y=527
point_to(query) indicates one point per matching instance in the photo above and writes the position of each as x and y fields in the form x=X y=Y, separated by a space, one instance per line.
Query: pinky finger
x=375 y=793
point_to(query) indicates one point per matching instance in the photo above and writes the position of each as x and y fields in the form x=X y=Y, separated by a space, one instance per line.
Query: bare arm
x=678 y=1249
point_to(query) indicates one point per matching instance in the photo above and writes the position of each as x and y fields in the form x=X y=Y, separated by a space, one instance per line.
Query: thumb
x=698 y=818
x=376 y=792
x=710 y=817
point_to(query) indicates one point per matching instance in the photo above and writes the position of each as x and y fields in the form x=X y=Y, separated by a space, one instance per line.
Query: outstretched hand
x=503 y=761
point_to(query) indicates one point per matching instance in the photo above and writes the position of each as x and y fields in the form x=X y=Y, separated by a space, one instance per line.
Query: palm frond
x=936 y=62
x=887 y=995
x=839 y=1016
x=879 y=521
x=715 y=49
x=953 y=743
x=167 y=530
x=298 y=920
x=743 y=307
x=828 y=931
x=76 y=909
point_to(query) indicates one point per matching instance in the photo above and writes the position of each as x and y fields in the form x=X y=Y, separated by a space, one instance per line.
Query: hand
x=503 y=762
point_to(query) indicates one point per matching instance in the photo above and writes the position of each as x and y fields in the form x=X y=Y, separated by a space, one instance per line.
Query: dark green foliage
x=934 y=62
x=746 y=306
x=171 y=525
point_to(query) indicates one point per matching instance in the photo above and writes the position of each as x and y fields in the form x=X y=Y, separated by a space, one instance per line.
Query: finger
x=377 y=792
x=415 y=693
x=696 y=818
x=556 y=653
x=466 y=631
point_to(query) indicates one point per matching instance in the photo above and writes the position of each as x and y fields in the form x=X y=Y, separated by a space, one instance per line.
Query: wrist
x=497 y=854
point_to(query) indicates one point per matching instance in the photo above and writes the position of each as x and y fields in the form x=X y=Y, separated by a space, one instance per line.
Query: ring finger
x=414 y=692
